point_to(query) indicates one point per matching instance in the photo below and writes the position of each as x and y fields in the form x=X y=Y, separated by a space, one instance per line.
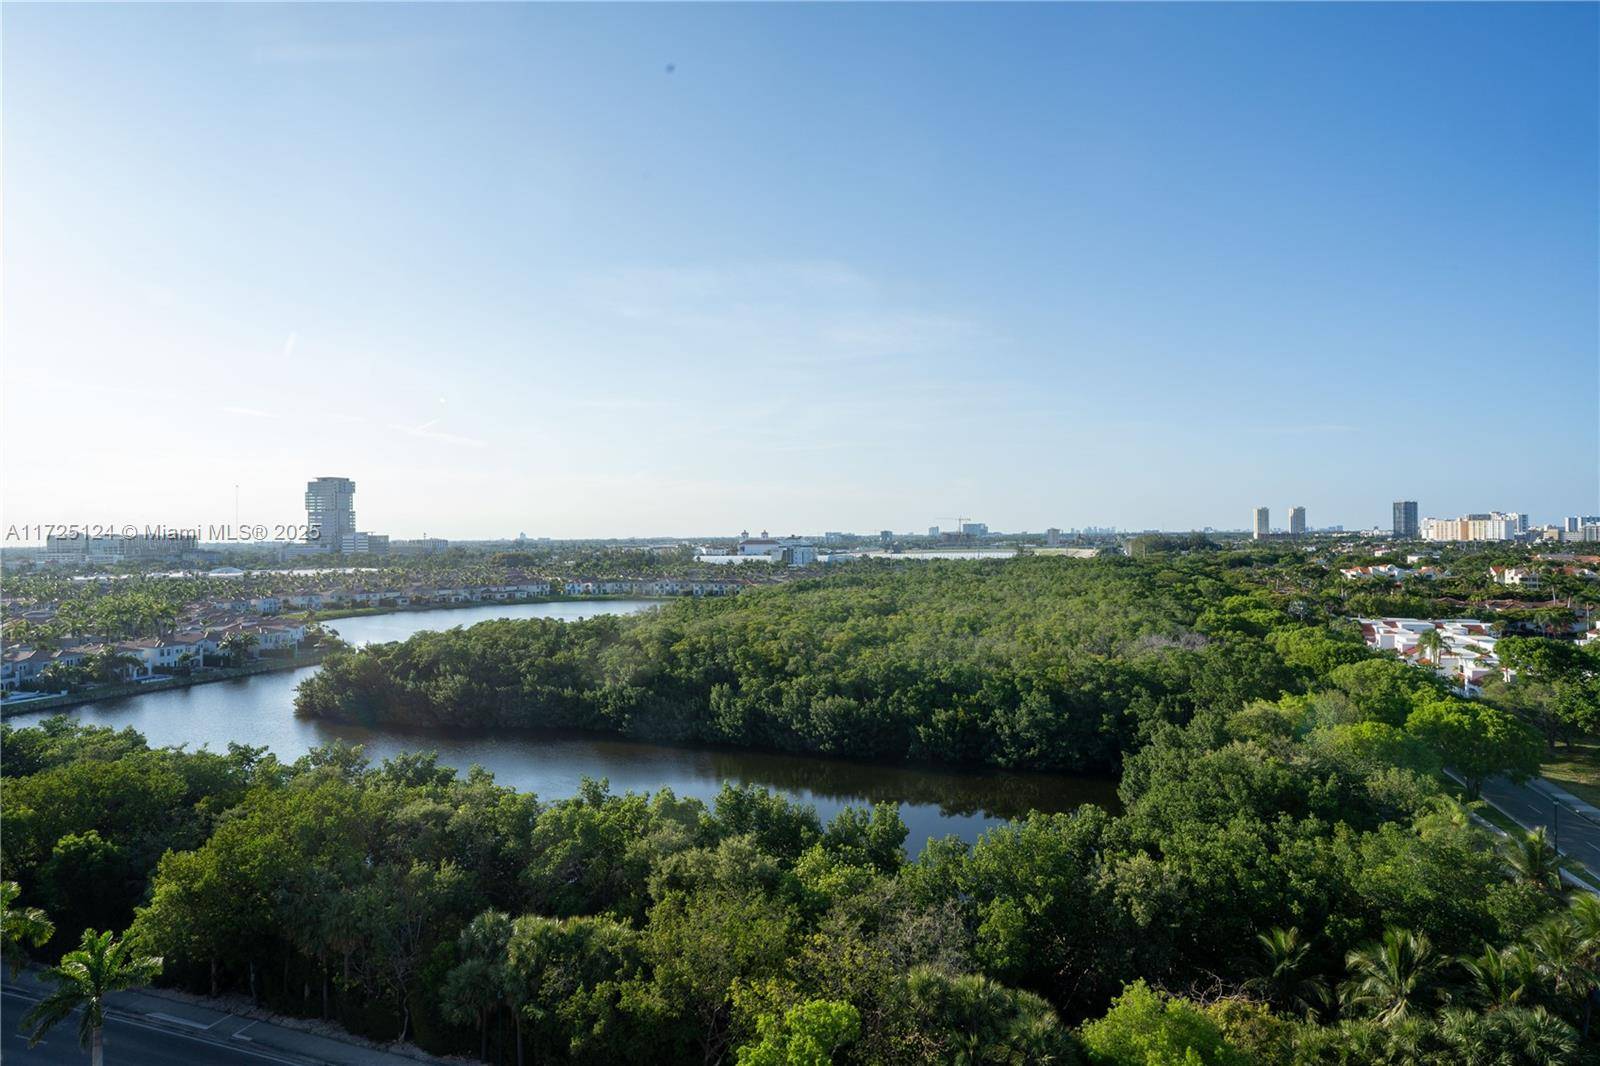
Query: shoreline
x=10 y=708
x=369 y=612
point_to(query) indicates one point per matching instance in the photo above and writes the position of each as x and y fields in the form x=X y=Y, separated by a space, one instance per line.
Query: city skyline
x=546 y=269
x=327 y=505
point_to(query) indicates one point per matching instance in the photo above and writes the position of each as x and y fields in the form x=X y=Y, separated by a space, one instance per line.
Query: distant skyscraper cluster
x=1261 y=522
x=1488 y=526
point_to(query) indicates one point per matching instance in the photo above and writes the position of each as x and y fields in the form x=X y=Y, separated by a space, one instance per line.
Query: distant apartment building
x=975 y=529
x=1405 y=520
x=155 y=545
x=421 y=546
x=1052 y=537
x=1263 y=523
x=1488 y=526
x=1297 y=520
x=833 y=537
x=1573 y=525
x=331 y=510
x=933 y=531
x=364 y=544
x=793 y=551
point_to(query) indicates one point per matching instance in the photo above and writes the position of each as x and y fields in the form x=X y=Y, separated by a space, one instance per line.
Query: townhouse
x=1467 y=656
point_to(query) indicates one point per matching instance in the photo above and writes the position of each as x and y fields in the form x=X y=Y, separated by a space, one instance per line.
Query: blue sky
x=614 y=270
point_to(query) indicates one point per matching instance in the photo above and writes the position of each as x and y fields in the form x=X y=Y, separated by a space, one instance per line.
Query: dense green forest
x=1032 y=663
x=1288 y=882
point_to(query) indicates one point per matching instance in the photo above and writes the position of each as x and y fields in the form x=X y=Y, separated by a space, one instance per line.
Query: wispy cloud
x=426 y=431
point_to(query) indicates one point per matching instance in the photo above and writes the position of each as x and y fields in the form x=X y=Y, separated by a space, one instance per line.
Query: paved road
x=1575 y=833
x=127 y=1043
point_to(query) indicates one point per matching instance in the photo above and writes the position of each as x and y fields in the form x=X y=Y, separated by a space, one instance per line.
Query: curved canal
x=258 y=710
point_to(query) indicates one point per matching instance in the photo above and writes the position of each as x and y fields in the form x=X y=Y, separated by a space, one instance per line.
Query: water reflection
x=258 y=710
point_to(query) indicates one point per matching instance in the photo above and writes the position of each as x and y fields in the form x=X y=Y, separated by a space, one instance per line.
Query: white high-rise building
x=1297 y=520
x=330 y=510
x=1263 y=523
x=1493 y=525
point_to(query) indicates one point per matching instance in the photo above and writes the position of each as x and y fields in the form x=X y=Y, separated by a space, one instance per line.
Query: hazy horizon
x=608 y=271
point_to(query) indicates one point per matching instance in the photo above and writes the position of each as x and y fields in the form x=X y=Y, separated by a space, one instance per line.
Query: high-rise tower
x=330 y=510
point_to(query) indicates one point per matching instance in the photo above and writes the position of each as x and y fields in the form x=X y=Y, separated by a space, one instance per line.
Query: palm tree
x=1392 y=976
x=1467 y=1034
x=475 y=988
x=238 y=645
x=112 y=665
x=1564 y=958
x=1432 y=642
x=1283 y=984
x=1585 y=916
x=20 y=927
x=1533 y=859
x=1534 y=1036
x=101 y=964
x=1500 y=978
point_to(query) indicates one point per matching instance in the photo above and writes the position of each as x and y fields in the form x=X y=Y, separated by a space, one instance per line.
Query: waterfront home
x=22 y=665
x=280 y=635
x=163 y=653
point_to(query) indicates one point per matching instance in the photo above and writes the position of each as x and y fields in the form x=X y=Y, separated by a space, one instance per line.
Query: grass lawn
x=1577 y=770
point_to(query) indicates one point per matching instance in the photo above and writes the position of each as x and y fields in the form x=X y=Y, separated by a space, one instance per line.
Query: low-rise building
x=1517 y=576
x=1466 y=655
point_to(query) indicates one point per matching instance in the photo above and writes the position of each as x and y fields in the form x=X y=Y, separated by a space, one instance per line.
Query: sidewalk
x=234 y=1022
x=1565 y=798
x=1536 y=803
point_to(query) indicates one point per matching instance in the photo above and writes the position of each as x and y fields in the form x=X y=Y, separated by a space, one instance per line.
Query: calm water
x=259 y=710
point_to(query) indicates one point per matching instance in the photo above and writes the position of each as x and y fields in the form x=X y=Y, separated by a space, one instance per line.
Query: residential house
x=1517 y=576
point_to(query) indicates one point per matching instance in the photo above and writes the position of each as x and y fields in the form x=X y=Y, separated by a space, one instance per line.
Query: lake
x=259 y=710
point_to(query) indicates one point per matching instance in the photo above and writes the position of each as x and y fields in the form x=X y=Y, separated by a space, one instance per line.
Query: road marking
x=175 y=1020
x=125 y=1019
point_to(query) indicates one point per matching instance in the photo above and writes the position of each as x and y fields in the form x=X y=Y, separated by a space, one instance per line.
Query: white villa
x=1468 y=655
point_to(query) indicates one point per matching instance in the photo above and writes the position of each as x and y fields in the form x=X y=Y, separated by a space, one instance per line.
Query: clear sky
x=617 y=270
